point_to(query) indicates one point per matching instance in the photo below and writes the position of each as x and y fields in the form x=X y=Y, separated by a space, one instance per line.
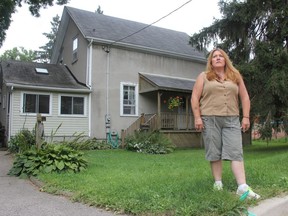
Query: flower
x=174 y=102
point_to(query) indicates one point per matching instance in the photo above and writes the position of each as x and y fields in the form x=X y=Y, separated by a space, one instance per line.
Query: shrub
x=149 y=142
x=22 y=141
x=54 y=158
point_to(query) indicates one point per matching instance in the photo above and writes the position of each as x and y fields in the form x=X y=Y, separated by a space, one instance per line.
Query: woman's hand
x=245 y=124
x=199 y=124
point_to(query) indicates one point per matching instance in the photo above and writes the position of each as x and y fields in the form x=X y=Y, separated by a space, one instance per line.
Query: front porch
x=178 y=127
x=168 y=99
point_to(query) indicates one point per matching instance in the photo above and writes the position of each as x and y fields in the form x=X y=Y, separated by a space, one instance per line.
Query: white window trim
x=34 y=114
x=122 y=84
x=72 y=115
x=75 y=44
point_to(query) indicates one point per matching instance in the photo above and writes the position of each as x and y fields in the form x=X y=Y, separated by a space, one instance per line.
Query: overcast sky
x=27 y=31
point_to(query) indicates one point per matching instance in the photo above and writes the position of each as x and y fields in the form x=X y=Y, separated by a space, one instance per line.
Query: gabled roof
x=24 y=75
x=107 y=29
x=155 y=82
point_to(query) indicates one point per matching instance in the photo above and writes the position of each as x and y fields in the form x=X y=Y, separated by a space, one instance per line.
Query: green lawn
x=179 y=183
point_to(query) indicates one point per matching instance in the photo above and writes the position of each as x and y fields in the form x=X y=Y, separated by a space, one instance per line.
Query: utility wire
x=151 y=23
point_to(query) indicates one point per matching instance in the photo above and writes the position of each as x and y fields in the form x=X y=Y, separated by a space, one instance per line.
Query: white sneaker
x=217 y=187
x=248 y=193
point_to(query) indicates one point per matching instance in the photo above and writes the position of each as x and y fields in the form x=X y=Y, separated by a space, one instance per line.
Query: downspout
x=9 y=112
x=107 y=115
x=89 y=82
x=89 y=64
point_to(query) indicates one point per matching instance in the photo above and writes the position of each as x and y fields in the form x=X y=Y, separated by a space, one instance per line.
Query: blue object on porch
x=113 y=139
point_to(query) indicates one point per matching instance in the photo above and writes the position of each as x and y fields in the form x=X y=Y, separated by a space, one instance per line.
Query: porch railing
x=168 y=121
x=175 y=121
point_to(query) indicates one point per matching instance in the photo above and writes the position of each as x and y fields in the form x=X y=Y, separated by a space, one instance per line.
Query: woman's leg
x=239 y=171
x=216 y=168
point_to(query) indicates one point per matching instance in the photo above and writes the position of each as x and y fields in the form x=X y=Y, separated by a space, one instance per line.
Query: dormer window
x=75 y=50
x=41 y=70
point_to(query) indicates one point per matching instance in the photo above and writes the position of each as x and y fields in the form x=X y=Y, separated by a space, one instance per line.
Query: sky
x=27 y=31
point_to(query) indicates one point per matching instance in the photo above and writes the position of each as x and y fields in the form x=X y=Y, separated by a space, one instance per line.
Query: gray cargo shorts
x=222 y=138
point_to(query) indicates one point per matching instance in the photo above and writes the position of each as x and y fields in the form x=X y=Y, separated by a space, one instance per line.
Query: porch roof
x=155 y=82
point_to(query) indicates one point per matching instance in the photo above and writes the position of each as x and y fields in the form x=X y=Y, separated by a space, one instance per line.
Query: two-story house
x=130 y=67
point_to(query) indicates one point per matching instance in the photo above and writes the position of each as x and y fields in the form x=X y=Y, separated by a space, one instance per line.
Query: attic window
x=42 y=70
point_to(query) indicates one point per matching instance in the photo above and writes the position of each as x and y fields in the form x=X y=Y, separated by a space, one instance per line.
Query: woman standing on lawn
x=215 y=107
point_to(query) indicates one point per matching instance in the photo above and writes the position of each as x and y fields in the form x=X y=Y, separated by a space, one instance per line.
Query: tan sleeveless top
x=219 y=98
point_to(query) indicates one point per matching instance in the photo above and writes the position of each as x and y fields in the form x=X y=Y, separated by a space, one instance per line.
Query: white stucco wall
x=124 y=66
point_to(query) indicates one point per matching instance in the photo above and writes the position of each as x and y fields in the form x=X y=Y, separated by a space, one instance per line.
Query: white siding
x=69 y=124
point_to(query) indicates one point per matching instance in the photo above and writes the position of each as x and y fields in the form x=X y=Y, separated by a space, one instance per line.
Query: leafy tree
x=266 y=129
x=255 y=35
x=46 y=54
x=21 y=55
x=8 y=7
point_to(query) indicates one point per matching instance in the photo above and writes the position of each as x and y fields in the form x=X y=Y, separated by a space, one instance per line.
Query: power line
x=152 y=23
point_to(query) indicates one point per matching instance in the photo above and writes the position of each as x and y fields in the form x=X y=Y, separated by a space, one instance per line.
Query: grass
x=179 y=183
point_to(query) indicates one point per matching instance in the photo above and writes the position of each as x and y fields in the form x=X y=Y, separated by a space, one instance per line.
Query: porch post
x=187 y=113
x=159 y=109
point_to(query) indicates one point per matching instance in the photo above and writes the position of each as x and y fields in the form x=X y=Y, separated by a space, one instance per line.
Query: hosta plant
x=54 y=158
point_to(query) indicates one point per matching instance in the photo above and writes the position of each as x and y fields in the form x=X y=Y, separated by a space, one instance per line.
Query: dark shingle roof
x=24 y=73
x=111 y=29
x=161 y=82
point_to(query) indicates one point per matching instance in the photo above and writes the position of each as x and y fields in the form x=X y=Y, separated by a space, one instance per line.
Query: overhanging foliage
x=8 y=7
x=255 y=35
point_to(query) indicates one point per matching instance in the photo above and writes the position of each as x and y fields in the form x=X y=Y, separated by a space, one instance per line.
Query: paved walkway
x=19 y=197
x=277 y=206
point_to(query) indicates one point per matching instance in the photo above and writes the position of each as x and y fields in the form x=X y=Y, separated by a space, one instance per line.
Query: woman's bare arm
x=195 y=101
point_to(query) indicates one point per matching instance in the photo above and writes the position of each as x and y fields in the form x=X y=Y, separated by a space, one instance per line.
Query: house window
x=75 y=50
x=129 y=99
x=36 y=103
x=72 y=105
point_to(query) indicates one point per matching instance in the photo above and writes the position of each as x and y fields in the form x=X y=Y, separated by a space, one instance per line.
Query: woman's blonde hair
x=231 y=72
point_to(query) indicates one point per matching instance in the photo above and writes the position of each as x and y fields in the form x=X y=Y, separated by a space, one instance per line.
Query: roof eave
x=146 y=49
x=46 y=88
x=160 y=88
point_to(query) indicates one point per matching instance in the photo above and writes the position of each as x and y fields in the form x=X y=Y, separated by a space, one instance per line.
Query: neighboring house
x=28 y=88
x=131 y=69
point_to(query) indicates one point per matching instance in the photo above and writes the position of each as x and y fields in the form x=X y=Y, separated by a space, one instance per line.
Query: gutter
x=50 y=89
